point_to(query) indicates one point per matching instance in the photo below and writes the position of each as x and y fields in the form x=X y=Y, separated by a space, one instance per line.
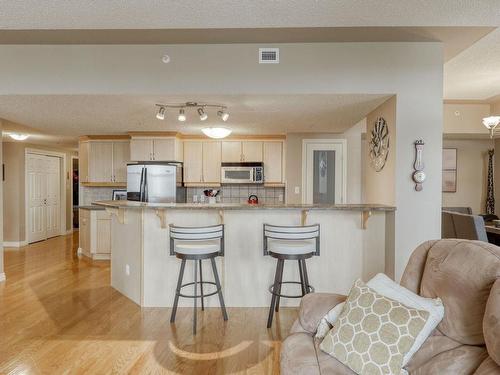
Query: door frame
x=62 y=184
x=339 y=142
x=70 y=181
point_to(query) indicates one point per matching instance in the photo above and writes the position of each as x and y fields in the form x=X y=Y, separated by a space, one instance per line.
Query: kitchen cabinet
x=100 y=162
x=95 y=234
x=121 y=156
x=231 y=151
x=251 y=151
x=202 y=163
x=211 y=162
x=103 y=163
x=155 y=149
x=241 y=151
x=141 y=149
x=273 y=162
x=193 y=162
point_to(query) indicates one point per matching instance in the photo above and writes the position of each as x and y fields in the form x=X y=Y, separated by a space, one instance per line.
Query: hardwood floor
x=58 y=315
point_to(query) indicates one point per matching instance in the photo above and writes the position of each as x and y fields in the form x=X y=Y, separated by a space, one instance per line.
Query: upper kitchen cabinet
x=121 y=156
x=241 y=151
x=231 y=151
x=103 y=162
x=155 y=149
x=251 y=151
x=202 y=163
x=273 y=163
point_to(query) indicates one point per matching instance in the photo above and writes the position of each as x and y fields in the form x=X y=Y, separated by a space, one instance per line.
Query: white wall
x=412 y=71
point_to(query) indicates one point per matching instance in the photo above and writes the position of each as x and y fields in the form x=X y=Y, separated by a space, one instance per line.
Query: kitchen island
x=356 y=241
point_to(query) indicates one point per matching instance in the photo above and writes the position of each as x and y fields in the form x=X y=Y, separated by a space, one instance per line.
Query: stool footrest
x=271 y=289
x=199 y=295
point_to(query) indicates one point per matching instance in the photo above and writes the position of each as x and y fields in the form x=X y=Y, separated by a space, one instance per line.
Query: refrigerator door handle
x=145 y=184
x=141 y=186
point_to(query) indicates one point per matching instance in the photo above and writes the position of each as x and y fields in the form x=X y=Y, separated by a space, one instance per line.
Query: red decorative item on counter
x=253 y=199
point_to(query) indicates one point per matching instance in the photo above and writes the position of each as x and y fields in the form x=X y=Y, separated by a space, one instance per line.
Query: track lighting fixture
x=223 y=115
x=201 y=108
x=161 y=113
x=203 y=115
x=182 y=116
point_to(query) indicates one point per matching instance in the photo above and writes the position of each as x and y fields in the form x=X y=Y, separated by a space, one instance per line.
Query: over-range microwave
x=242 y=173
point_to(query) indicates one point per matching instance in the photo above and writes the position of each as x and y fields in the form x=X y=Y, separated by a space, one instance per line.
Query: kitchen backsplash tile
x=228 y=194
x=240 y=194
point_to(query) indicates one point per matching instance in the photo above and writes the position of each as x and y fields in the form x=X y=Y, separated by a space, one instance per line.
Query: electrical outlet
x=297 y=190
x=280 y=198
x=127 y=270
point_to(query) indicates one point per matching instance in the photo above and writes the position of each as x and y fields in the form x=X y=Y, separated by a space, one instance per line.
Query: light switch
x=280 y=198
x=297 y=190
x=127 y=270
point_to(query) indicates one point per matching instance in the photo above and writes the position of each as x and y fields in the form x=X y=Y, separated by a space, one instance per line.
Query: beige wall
x=472 y=164
x=294 y=161
x=2 y=274
x=379 y=187
x=495 y=108
x=466 y=119
x=14 y=186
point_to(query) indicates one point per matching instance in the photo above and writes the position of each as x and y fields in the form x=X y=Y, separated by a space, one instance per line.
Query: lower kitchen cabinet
x=95 y=234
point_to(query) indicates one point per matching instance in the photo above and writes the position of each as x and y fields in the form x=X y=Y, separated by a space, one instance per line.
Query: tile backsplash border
x=228 y=194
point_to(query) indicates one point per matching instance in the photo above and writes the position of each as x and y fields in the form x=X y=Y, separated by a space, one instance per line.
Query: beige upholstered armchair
x=464 y=274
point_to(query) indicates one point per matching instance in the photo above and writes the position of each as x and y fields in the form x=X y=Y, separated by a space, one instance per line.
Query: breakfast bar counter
x=356 y=241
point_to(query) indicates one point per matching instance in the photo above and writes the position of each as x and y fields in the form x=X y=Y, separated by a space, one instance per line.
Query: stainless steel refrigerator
x=155 y=182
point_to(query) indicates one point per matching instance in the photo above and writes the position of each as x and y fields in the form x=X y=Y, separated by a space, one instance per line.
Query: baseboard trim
x=69 y=232
x=2 y=277
x=15 y=243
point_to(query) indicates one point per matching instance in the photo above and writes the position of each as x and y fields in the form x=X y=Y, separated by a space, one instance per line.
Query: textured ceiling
x=162 y=14
x=74 y=115
x=475 y=72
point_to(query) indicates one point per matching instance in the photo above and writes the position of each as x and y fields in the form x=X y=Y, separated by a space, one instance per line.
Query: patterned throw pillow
x=373 y=332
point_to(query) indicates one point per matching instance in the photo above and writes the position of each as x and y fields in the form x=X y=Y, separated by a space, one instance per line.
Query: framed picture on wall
x=449 y=170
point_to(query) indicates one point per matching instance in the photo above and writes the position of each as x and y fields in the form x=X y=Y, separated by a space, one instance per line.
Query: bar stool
x=197 y=244
x=289 y=243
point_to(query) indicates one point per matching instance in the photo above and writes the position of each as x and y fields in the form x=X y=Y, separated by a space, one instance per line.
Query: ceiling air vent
x=269 y=55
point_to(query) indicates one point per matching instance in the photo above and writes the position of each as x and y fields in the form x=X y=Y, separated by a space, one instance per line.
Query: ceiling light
x=203 y=115
x=19 y=137
x=217 y=132
x=491 y=123
x=182 y=116
x=223 y=115
x=161 y=114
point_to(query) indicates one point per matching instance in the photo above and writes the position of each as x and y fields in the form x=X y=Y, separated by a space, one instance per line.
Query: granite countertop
x=244 y=206
x=92 y=208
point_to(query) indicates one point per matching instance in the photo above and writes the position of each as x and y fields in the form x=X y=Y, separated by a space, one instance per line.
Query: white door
x=141 y=149
x=231 y=151
x=324 y=171
x=164 y=149
x=121 y=156
x=252 y=151
x=44 y=197
x=273 y=162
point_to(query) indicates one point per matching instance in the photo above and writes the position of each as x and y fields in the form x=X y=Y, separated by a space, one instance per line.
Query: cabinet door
x=103 y=240
x=100 y=161
x=83 y=162
x=164 y=149
x=231 y=151
x=211 y=162
x=141 y=149
x=273 y=162
x=84 y=231
x=252 y=151
x=121 y=156
x=193 y=161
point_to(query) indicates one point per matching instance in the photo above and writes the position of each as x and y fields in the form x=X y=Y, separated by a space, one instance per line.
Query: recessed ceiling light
x=19 y=137
x=216 y=132
x=223 y=115
x=161 y=114
x=203 y=115
x=182 y=116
